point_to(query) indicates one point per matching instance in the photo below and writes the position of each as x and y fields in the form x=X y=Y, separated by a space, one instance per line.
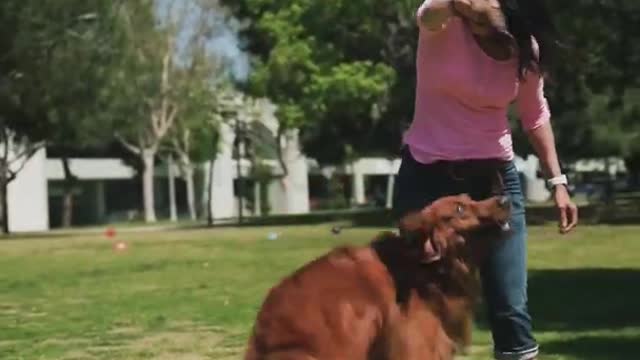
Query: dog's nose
x=504 y=202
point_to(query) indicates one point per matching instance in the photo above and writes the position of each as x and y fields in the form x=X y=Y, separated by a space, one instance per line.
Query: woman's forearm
x=543 y=142
x=433 y=14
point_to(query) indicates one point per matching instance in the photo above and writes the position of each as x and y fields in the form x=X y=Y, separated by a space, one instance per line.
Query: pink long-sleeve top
x=463 y=95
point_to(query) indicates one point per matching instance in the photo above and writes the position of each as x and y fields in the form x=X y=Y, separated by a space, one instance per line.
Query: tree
x=44 y=89
x=16 y=150
x=141 y=92
x=326 y=80
x=194 y=138
x=298 y=44
x=77 y=73
x=145 y=90
x=201 y=81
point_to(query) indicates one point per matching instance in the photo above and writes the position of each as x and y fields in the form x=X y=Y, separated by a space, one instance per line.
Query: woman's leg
x=504 y=280
x=504 y=275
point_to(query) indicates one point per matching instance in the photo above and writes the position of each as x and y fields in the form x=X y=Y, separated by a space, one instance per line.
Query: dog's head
x=447 y=226
x=485 y=17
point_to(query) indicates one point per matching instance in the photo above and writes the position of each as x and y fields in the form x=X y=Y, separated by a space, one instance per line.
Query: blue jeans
x=504 y=274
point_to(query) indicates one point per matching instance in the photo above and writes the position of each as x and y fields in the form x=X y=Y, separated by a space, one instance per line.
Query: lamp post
x=239 y=155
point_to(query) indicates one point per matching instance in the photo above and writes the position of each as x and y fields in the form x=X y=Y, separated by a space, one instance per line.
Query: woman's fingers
x=464 y=8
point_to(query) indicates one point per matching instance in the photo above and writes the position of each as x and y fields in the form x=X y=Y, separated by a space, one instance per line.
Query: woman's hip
x=420 y=184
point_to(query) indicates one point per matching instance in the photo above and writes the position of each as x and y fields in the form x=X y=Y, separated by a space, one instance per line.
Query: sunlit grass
x=194 y=294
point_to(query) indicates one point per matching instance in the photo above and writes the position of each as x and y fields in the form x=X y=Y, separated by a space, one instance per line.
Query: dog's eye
x=460 y=209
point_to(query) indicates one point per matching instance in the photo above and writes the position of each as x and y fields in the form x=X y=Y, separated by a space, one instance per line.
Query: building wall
x=27 y=197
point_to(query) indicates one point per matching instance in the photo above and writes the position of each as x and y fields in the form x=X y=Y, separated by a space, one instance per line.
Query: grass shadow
x=593 y=307
x=596 y=347
x=584 y=299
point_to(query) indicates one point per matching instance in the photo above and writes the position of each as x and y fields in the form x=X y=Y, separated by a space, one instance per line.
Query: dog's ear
x=418 y=221
x=411 y=222
x=418 y=229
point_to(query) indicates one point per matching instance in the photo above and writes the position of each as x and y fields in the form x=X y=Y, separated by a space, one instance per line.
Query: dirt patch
x=180 y=341
x=232 y=347
x=78 y=355
x=64 y=342
x=126 y=331
x=35 y=314
x=7 y=343
x=174 y=356
x=176 y=342
x=8 y=309
x=76 y=301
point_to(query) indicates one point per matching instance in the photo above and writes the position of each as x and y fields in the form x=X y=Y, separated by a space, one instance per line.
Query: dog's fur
x=392 y=299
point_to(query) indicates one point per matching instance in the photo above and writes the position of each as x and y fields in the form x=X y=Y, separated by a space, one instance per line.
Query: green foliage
x=53 y=62
x=594 y=81
x=135 y=81
x=321 y=64
x=72 y=71
x=309 y=58
x=196 y=130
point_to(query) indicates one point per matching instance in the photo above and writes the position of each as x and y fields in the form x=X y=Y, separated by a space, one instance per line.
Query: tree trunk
x=257 y=197
x=186 y=168
x=210 y=195
x=191 y=192
x=609 y=185
x=148 y=156
x=633 y=167
x=67 y=197
x=4 y=213
x=173 y=211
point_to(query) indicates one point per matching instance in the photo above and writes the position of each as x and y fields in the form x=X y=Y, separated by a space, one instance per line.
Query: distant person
x=474 y=58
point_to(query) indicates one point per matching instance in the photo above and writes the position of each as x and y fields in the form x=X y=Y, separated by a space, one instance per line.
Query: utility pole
x=239 y=155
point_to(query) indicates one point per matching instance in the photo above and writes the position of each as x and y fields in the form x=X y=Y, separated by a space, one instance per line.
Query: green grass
x=193 y=294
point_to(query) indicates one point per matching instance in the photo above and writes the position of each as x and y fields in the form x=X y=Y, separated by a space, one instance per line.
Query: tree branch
x=7 y=143
x=165 y=85
x=132 y=148
x=167 y=123
x=25 y=156
x=28 y=152
x=186 y=136
x=155 y=123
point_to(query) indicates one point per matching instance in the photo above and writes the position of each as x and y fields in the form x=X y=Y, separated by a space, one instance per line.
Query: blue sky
x=225 y=43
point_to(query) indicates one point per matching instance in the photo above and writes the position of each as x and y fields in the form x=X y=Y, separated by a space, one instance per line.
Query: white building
x=108 y=191
x=27 y=196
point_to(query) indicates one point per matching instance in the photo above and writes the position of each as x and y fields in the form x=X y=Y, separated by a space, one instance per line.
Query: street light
x=239 y=141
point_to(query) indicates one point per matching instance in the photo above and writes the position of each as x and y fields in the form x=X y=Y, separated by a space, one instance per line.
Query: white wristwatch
x=558 y=180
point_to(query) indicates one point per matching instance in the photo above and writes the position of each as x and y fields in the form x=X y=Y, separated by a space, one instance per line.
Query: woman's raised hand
x=484 y=16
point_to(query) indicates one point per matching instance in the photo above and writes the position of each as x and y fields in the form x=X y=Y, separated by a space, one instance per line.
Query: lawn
x=193 y=294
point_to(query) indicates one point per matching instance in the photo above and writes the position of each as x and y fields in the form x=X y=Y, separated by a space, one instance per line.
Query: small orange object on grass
x=120 y=246
x=110 y=232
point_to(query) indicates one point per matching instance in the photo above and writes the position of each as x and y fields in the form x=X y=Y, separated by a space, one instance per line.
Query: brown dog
x=487 y=21
x=402 y=297
x=484 y=16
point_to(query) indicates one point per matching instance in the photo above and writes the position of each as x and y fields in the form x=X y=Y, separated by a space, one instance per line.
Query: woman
x=475 y=58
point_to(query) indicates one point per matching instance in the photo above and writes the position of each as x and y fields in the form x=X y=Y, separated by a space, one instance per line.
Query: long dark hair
x=527 y=19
